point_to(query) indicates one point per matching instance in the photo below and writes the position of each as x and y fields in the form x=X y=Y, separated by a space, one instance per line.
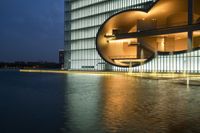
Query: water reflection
x=82 y=103
x=117 y=94
x=123 y=104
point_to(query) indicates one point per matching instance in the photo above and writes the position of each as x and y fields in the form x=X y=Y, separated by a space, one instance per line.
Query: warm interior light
x=129 y=41
x=109 y=35
x=164 y=14
x=161 y=43
x=132 y=60
x=196 y=33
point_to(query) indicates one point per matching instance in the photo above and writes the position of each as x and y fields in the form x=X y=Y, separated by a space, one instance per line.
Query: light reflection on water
x=123 y=104
x=37 y=103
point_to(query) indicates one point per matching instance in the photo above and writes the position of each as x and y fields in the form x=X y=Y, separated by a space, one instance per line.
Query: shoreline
x=142 y=75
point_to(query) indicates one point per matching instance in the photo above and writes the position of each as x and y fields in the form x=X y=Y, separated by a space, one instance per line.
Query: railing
x=123 y=57
x=147 y=46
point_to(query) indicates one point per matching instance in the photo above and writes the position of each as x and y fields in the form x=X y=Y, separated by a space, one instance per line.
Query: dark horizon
x=31 y=30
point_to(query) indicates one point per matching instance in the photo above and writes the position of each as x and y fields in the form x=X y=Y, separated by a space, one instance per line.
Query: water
x=77 y=103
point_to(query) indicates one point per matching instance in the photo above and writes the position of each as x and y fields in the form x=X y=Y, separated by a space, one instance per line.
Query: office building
x=61 y=57
x=83 y=18
x=168 y=51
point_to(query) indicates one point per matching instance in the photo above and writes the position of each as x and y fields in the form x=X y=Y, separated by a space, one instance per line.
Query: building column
x=190 y=22
x=190 y=33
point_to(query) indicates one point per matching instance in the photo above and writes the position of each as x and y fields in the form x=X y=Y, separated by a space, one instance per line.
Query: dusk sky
x=31 y=30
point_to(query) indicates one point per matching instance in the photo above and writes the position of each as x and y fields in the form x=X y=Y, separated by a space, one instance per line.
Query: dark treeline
x=34 y=65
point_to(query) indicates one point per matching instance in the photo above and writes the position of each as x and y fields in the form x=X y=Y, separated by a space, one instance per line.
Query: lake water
x=78 y=103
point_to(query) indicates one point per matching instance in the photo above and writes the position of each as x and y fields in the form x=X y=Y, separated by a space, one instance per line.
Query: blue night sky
x=31 y=30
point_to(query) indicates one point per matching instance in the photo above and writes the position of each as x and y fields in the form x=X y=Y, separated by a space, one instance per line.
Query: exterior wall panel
x=81 y=28
x=82 y=21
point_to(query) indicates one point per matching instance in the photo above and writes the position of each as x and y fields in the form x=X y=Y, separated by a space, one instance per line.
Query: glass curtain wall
x=179 y=63
x=82 y=21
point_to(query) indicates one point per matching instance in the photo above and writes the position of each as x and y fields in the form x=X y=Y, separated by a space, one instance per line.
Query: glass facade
x=83 y=19
x=175 y=63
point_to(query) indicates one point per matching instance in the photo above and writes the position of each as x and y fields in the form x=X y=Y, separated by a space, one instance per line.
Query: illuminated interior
x=196 y=39
x=166 y=43
x=133 y=37
x=196 y=11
